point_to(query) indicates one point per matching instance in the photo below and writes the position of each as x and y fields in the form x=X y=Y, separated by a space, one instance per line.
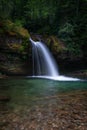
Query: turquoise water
x=25 y=91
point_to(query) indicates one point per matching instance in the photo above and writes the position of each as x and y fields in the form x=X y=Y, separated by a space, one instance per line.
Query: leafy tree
x=65 y=18
x=6 y=7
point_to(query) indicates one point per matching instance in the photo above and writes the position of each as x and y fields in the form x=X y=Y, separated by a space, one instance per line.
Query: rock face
x=13 y=55
x=14 y=47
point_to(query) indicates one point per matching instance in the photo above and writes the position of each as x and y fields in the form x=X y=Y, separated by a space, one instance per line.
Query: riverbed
x=42 y=104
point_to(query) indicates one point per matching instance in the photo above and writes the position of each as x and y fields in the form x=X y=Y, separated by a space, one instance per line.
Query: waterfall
x=43 y=61
x=44 y=64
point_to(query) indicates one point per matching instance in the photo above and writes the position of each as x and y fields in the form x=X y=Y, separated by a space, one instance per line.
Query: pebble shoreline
x=66 y=111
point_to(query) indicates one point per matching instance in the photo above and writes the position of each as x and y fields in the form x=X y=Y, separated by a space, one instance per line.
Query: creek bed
x=42 y=104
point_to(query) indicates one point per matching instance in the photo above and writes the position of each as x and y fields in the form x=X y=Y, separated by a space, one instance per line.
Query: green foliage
x=14 y=29
x=67 y=35
x=18 y=23
x=39 y=13
x=6 y=7
x=65 y=18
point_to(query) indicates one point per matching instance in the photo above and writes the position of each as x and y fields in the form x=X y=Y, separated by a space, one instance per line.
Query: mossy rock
x=55 y=44
x=18 y=48
x=12 y=29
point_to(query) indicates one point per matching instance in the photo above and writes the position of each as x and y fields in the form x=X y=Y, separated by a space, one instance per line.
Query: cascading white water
x=43 y=61
x=44 y=65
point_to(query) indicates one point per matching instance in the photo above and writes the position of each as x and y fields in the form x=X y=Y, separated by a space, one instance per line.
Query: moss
x=12 y=29
x=14 y=46
x=55 y=44
x=23 y=32
x=18 y=48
